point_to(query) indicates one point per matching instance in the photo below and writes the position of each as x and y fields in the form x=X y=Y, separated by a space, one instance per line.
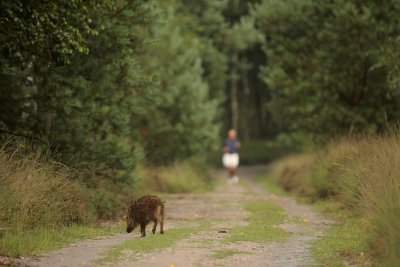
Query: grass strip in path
x=151 y=242
x=263 y=224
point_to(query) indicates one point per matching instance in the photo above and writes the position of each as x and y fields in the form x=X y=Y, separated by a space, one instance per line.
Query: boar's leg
x=143 y=229
x=154 y=226
x=162 y=225
x=161 y=218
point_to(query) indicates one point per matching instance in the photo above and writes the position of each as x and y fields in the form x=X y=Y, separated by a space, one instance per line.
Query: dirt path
x=224 y=207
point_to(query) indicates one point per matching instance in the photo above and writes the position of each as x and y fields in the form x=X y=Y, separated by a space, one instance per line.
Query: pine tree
x=182 y=121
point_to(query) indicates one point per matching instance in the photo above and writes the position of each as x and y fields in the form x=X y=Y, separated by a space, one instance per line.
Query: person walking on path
x=230 y=158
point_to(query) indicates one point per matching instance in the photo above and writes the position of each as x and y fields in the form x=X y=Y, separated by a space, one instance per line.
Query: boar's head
x=131 y=222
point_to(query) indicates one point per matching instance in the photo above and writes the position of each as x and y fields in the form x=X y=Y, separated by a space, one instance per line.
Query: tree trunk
x=234 y=92
x=245 y=109
x=234 y=81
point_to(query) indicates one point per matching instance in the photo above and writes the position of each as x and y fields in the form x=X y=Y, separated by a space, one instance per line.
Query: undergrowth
x=35 y=194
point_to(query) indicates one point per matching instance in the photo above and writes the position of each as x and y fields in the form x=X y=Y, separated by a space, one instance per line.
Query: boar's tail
x=163 y=201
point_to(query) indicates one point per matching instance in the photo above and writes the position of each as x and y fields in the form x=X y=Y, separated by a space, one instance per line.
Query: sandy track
x=223 y=204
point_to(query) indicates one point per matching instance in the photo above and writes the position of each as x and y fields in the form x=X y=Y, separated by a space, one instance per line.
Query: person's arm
x=237 y=144
x=226 y=148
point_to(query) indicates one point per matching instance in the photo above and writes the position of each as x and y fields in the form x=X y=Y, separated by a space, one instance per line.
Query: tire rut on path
x=224 y=208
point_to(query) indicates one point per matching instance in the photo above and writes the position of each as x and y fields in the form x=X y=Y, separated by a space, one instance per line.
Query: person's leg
x=230 y=174
x=234 y=178
x=231 y=171
x=236 y=166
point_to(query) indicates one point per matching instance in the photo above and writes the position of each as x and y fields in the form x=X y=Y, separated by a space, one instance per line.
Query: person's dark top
x=231 y=145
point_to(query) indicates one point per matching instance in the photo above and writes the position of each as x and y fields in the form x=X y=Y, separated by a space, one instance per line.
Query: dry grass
x=36 y=193
x=363 y=174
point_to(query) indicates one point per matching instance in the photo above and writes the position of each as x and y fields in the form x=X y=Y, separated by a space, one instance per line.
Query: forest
x=97 y=94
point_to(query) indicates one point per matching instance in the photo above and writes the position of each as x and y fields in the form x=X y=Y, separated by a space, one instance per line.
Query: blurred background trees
x=327 y=67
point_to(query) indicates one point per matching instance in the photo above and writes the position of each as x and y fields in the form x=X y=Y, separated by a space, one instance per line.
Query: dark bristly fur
x=143 y=211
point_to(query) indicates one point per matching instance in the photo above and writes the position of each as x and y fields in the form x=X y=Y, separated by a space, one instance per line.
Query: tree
x=38 y=33
x=85 y=110
x=181 y=123
x=50 y=31
x=325 y=67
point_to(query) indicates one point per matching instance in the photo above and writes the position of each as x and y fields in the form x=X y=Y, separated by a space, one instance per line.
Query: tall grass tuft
x=363 y=174
x=36 y=193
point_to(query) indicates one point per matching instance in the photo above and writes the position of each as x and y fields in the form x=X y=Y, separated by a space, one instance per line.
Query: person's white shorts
x=230 y=160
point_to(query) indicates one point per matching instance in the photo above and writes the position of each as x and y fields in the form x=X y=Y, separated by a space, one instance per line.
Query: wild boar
x=143 y=211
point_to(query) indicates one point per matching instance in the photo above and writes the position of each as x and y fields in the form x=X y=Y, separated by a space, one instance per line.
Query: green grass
x=344 y=243
x=263 y=224
x=223 y=253
x=39 y=240
x=152 y=242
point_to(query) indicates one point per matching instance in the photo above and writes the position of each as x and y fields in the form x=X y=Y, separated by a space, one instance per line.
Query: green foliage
x=50 y=32
x=181 y=122
x=242 y=35
x=130 y=93
x=206 y=20
x=327 y=67
x=86 y=110
x=96 y=102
